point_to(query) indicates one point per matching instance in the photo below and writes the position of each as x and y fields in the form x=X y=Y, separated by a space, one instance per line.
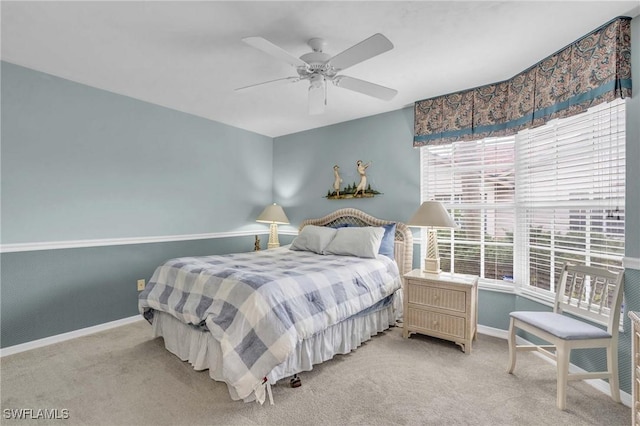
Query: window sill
x=495 y=285
x=512 y=288
x=498 y=286
x=537 y=296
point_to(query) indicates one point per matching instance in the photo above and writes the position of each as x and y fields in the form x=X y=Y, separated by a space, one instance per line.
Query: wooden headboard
x=403 y=247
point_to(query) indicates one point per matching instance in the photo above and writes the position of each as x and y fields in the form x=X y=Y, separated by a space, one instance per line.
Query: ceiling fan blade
x=277 y=82
x=267 y=47
x=365 y=87
x=366 y=49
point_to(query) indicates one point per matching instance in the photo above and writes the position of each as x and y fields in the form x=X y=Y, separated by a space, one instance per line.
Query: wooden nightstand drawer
x=436 y=297
x=441 y=305
x=440 y=324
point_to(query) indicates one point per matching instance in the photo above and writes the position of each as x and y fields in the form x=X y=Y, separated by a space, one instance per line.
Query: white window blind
x=530 y=202
x=570 y=194
x=475 y=181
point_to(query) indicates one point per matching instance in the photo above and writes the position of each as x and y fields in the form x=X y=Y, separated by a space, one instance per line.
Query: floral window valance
x=592 y=70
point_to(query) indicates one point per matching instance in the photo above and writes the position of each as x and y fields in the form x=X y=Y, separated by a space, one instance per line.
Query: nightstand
x=441 y=305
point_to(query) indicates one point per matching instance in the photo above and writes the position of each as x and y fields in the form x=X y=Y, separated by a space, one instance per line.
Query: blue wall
x=50 y=292
x=80 y=163
x=303 y=167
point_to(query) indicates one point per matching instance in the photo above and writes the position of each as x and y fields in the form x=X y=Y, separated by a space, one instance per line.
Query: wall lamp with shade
x=273 y=215
x=431 y=215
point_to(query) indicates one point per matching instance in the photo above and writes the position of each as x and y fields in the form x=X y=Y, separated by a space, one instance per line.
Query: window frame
x=518 y=286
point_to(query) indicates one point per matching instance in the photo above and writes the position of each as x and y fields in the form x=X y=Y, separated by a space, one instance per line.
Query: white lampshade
x=273 y=215
x=432 y=214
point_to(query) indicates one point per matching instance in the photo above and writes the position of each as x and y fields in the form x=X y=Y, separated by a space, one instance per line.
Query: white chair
x=584 y=292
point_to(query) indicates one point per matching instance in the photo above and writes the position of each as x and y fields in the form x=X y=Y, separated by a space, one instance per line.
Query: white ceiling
x=189 y=55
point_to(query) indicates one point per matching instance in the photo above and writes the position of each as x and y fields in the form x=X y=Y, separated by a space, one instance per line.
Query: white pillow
x=313 y=238
x=357 y=241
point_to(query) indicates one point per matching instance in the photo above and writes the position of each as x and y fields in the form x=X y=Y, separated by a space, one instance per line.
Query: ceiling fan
x=319 y=68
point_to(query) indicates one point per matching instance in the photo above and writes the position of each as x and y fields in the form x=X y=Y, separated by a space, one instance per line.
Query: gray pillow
x=313 y=238
x=359 y=241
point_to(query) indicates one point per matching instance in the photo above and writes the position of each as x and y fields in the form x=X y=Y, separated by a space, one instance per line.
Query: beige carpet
x=123 y=377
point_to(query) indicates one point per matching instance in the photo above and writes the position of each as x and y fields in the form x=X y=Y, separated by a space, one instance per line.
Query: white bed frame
x=203 y=351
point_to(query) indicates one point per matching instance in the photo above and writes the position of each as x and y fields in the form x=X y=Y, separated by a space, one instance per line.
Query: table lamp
x=273 y=215
x=431 y=215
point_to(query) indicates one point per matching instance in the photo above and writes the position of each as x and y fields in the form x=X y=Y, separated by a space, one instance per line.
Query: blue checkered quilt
x=259 y=305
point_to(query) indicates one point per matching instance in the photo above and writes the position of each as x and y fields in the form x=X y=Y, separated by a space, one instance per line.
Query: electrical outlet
x=141 y=285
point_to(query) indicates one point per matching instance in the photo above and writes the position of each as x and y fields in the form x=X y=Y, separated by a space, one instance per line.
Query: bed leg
x=295 y=381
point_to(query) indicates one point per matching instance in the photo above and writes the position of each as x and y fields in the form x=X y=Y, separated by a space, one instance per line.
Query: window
x=476 y=181
x=530 y=202
x=570 y=194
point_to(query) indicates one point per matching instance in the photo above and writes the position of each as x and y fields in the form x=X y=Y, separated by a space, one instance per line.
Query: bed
x=254 y=318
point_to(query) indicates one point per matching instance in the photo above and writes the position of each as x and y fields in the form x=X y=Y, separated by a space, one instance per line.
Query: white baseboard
x=493 y=332
x=599 y=384
x=11 y=350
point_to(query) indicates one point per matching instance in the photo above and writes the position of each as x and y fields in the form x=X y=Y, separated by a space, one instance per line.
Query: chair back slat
x=604 y=300
x=591 y=293
x=572 y=290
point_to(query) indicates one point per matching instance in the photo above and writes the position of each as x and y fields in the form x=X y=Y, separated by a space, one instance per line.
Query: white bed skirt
x=203 y=352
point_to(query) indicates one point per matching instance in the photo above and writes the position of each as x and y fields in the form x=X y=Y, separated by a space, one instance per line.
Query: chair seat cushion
x=561 y=326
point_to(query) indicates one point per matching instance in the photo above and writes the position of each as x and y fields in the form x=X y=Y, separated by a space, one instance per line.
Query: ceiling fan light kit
x=319 y=67
x=317 y=95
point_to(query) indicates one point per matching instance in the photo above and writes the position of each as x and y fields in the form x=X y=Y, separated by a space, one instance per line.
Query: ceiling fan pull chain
x=325 y=93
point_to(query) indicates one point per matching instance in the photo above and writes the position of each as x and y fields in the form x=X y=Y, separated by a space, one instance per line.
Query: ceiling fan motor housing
x=316 y=62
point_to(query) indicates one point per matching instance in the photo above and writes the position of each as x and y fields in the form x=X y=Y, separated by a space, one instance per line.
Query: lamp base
x=432 y=258
x=432 y=265
x=273 y=237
